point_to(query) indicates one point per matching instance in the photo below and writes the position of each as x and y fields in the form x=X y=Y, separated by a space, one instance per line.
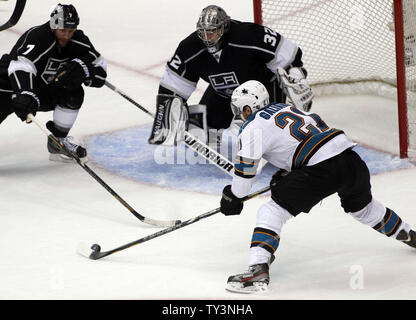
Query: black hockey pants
x=49 y=100
x=346 y=174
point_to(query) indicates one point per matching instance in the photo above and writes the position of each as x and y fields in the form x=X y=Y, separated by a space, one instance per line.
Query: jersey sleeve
x=247 y=161
x=275 y=50
x=287 y=55
x=178 y=76
x=95 y=62
x=25 y=55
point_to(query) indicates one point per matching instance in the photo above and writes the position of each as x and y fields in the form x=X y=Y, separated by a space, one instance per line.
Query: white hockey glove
x=296 y=88
x=171 y=121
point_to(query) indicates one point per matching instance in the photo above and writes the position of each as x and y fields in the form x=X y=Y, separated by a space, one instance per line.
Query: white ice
x=47 y=208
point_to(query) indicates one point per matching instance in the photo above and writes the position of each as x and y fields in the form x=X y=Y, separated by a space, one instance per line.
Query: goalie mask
x=252 y=94
x=64 y=16
x=212 y=24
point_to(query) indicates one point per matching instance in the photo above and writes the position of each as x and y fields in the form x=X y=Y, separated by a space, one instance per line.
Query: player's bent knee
x=73 y=100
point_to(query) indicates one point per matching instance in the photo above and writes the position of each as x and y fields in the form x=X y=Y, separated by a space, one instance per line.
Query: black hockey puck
x=96 y=248
x=178 y=222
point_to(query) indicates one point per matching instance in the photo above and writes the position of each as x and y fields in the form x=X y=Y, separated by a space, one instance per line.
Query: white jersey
x=287 y=138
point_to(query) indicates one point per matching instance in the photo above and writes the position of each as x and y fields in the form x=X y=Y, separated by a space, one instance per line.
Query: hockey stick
x=17 y=13
x=153 y=222
x=191 y=141
x=94 y=252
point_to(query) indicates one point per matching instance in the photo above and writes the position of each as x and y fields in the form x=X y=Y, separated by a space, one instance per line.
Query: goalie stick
x=17 y=13
x=191 y=141
x=94 y=252
x=153 y=222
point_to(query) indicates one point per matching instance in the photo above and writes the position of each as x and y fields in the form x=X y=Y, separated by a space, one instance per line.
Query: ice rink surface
x=47 y=208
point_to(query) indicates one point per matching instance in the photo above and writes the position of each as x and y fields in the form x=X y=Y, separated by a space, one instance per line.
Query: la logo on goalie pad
x=170 y=122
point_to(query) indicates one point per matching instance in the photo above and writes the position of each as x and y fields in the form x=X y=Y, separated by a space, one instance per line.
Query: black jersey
x=35 y=58
x=249 y=52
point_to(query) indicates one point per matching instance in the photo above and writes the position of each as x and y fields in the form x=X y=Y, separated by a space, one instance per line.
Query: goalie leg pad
x=171 y=120
x=198 y=125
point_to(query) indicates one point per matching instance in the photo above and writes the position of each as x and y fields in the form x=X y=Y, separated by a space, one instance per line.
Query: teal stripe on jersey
x=308 y=147
x=245 y=167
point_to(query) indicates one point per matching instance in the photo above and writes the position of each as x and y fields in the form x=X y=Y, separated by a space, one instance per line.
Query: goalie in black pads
x=45 y=71
x=225 y=53
x=316 y=161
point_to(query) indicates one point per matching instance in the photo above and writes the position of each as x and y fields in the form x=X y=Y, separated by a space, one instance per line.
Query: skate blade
x=256 y=288
x=63 y=158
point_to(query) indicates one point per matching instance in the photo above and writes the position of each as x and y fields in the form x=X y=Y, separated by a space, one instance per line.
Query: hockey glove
x=24 y=103
x=296 y=88
x=279 y=175
x=71 y=75
x=230 y=204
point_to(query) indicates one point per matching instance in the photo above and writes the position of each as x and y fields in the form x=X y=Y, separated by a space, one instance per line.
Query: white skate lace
x=69 y=145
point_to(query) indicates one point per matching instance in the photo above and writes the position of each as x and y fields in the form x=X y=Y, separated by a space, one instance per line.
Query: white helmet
x=252 y=94
x=64 y=16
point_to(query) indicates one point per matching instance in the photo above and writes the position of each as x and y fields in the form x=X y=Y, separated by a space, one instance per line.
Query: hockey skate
x=67 y=154
x=407 y=238
x=255 y=280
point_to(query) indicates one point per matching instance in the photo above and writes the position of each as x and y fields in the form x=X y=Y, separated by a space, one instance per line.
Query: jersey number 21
x=298 y=130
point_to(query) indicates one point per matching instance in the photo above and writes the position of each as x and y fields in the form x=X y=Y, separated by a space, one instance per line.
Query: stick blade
x=84 y=250
x=161 y=223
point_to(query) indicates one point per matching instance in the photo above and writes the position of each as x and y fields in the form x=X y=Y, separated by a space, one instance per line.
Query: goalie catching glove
x=171 y=120
x=296 y=88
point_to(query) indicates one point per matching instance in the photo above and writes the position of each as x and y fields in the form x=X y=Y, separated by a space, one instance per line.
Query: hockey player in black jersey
x=45 y=71
x=225 y=53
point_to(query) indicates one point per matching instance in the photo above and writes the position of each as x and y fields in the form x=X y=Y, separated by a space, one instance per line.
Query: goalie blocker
x=170 y=122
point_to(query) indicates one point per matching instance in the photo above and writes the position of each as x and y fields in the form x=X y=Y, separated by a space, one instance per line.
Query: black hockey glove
x=230 y=204
x=71 y=75
x=279 y=175
x=24 y=103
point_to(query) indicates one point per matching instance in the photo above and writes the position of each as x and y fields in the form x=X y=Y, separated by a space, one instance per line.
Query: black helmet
x=64 y=16
x=211 y=19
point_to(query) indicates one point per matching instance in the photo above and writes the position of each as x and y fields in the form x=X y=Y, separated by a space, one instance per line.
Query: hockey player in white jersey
x=315 y=161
